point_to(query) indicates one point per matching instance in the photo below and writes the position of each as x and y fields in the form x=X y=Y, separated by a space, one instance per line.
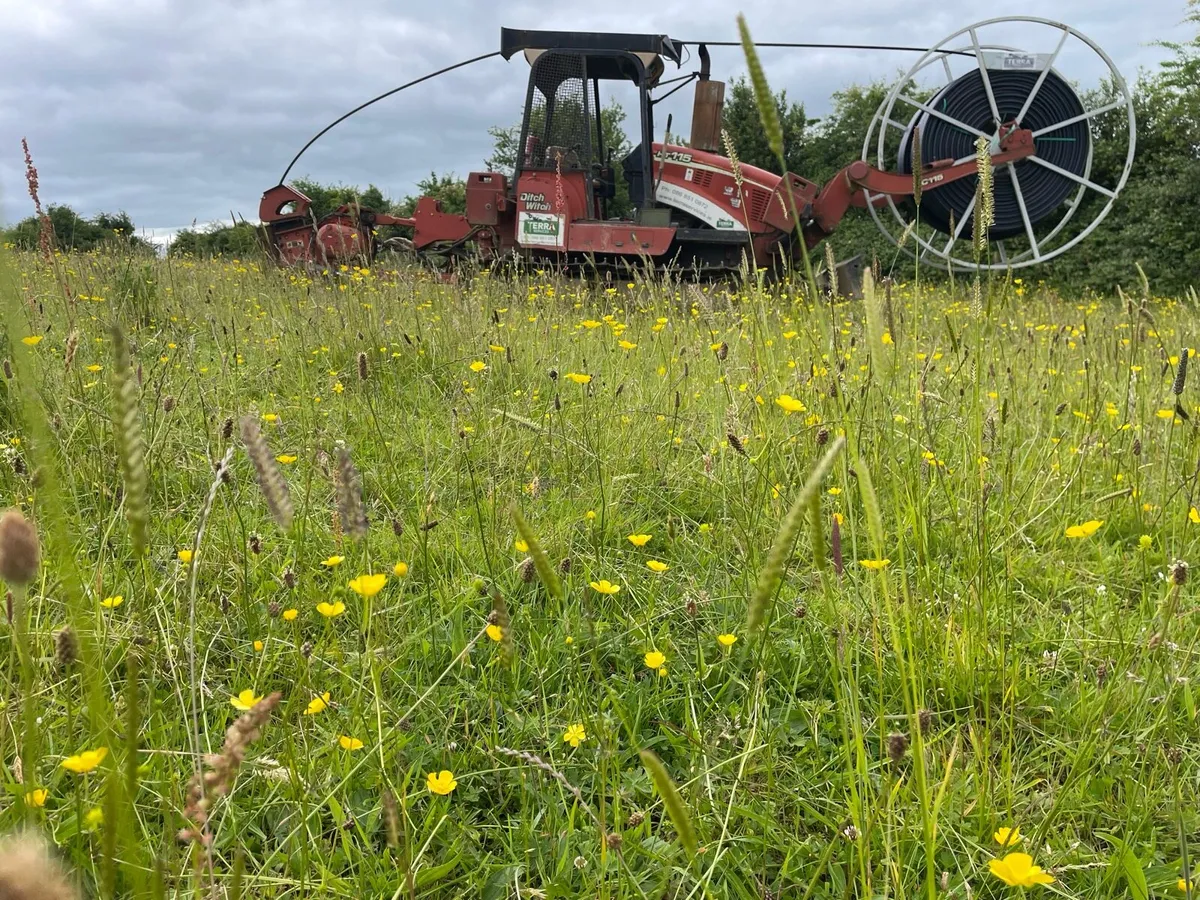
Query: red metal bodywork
x=554 y=213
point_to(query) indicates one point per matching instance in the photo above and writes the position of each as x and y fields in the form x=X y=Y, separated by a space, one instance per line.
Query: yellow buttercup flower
x=1194 y=516
x=245 y=700
x=368 y=585
x=32 y=340
x=575 y=735
x=400 y=569
x=477 y=366
x=654 y=660
x=639 y=540
x=578 y=378
x=290 y=615
x=442 y=783
x=331 y=610
x=317 y=704
x=726 y=640
x=112 y=602
x=258 y=646
x=495 y=632
x=285 y=458
x=350 y=743
x=330 y=561
x=1006 y=836
x=85 y=761
x=1087 y=529
x=521 y=546
x=1018 y=870
x=604 y=586
x=789 y=404
x=185 y=556
x=875 y=564
x=37 y=798
x=655 y=565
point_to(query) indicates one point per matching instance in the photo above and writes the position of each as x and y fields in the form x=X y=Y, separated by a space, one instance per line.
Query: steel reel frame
x=940 y=53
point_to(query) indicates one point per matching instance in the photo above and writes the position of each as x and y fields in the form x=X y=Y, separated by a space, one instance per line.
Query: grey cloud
x=178 y=111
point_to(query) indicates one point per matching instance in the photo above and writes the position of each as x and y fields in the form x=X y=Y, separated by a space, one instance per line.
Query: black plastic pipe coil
x=966 y=99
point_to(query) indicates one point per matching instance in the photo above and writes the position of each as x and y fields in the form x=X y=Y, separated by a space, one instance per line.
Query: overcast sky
x=179 y=111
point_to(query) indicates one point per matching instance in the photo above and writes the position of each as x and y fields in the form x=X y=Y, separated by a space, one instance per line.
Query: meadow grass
x=972 y=619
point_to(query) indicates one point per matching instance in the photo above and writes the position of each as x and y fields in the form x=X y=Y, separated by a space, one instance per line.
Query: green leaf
x=671 y=799
x=1126 y=863
x=436 y=873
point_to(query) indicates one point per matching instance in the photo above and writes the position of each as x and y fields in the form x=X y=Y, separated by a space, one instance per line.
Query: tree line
x=1153 y=224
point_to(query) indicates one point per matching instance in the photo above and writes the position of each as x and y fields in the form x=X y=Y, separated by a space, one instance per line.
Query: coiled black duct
x=966 y=99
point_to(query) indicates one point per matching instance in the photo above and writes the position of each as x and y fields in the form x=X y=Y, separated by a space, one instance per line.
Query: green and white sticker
x=541 y=229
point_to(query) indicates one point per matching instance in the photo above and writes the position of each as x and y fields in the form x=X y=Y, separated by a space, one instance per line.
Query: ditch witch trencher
x=697 y=210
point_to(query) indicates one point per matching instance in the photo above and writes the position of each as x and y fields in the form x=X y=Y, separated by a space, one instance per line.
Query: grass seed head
x=768 y=111
x=221 y=769
x=66 y=647
x=781 y=548
x=29 y=872
x=831 y=270
x=349 y=496
x=542 y=562
x=19 y=550
x=72 y=346
x=270 y=480
x=917 y=166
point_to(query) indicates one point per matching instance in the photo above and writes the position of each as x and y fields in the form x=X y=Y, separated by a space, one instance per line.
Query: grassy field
x=973 y=619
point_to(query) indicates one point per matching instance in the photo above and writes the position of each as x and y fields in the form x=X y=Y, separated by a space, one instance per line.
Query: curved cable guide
x=481 y=57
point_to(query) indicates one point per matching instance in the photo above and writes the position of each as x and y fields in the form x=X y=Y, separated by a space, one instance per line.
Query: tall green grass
x=958 y=664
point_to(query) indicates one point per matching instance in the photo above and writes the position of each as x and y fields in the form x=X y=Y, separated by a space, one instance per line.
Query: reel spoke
x=1042 y=77
x=987 y=81
x=1100 y=189
x=960 y=225
x=1033 y=243
x=1090 y=114
x=941 y=115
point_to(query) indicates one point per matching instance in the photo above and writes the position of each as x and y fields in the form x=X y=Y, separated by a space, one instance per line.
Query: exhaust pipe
x=707 y=108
